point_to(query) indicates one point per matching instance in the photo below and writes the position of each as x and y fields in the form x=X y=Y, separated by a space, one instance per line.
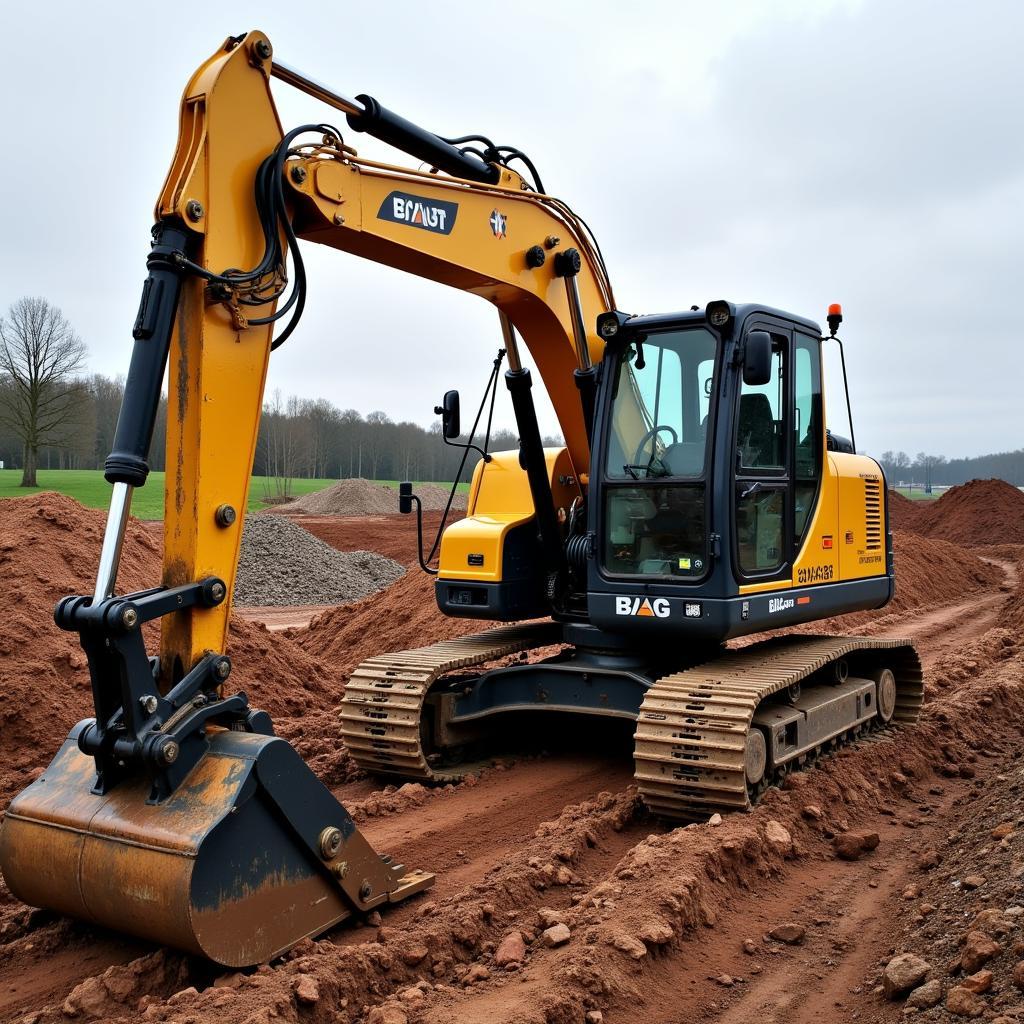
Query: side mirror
x=448 y=410
x=757 y=359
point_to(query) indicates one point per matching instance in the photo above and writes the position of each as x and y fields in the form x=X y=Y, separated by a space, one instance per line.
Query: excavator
x=698 y=498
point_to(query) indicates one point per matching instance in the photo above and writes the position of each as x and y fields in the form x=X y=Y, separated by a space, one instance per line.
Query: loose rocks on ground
x=283 y=564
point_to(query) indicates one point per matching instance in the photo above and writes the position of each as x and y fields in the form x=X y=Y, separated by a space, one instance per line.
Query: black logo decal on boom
x=416 y=211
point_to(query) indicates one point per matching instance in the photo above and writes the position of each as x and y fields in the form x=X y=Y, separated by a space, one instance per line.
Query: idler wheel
x=886 y=694
x=755 y=756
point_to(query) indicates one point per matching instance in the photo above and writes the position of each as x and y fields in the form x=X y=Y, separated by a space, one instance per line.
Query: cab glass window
x=806 y=430
x=660 y=406
x=656 y=456
x=760 y=441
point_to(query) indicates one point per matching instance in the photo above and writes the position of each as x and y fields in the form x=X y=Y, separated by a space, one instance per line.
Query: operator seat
x=756 y=436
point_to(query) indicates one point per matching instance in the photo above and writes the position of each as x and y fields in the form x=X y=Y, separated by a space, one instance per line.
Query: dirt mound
x=405 y=615
x=356 y=497
x=902 y=511
x=975 y=513
x=283 y=564
x=934 y=572
x=359 y=497
x=49 y=546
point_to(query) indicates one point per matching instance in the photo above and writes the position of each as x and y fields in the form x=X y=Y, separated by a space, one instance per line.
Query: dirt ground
x=756 y=918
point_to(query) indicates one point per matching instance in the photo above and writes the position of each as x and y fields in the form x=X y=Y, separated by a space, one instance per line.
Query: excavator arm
x=175 y=813
x=525 y=252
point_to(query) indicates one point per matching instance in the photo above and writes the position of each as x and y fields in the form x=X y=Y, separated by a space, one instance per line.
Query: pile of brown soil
x=403 y=616
x=934 y=572
x=978 y=512
x=359 y=497
x=49 y=546
x=902 y=511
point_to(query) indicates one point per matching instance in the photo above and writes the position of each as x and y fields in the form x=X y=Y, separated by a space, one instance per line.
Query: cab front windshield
x=656 y=455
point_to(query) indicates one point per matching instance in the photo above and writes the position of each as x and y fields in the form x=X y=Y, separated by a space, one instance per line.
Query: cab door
x=763 y=493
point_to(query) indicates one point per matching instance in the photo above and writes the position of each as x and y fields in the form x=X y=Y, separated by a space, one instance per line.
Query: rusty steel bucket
x=250 y=854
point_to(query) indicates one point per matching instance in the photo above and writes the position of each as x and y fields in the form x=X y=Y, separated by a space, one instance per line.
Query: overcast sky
x=795 y=153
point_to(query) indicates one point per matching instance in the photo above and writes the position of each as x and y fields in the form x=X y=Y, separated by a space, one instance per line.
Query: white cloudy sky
x=797 y=153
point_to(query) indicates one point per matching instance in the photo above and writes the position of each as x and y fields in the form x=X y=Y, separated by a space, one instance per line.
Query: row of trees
x=52 y=415
x=931 y=470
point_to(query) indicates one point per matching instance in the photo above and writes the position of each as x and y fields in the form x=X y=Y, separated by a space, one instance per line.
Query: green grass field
x=89 y=487
x=917 y=494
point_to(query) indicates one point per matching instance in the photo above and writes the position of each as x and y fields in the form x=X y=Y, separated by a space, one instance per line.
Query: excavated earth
x=885 y=883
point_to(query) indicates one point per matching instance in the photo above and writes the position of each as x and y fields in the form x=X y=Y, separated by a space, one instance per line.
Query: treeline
x=936 y=470
x=298 y=438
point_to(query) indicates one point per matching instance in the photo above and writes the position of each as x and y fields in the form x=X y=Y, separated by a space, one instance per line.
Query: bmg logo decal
x=643 y=607
x=429 y=214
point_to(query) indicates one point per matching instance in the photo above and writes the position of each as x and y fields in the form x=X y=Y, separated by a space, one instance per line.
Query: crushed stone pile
x=49 y=547
x=976 y=513
x=359 y=497
x=283 y=564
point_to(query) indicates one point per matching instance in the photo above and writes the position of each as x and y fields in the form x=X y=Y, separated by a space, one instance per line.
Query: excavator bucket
x=250 y=854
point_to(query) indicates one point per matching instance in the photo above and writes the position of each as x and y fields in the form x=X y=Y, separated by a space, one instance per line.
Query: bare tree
x=39 y=356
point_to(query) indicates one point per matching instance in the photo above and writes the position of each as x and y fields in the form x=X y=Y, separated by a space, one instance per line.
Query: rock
x=927 y=908
x=511 y=950
x=89 y=998
x=656 y=932
x=563 y=876
x=1018 y=974
x=928 y=860
x=549 y=917
x=903 y=973
x=630 y=946
x=594 y=1017
x=950 y=769
x=812 y=812
x=978 y=950
x=778 y=838
x=973 y=881
x=307 y=991
x=911 y=892
x=927 y=995
x=1002 y=830
x=991 y=922
x=556 y=935
x=791 y=934
x=849 y=846
x=749 y=946
x=476 y=973
x=373 y=919
x=413 y=996
x=415 y=953
x=964 y=1003
x=387 y=1015
x=715 y=819
x=725 y=980
x=978 y=983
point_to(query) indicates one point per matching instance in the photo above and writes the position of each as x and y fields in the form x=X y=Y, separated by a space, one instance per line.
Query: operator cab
x=710 y=451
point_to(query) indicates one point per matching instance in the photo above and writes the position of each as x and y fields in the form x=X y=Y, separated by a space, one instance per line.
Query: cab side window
x=807 y=432
x=759 y=437
x=761 y=469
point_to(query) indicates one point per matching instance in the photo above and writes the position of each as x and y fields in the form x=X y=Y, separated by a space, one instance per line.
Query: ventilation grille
x=872 y=515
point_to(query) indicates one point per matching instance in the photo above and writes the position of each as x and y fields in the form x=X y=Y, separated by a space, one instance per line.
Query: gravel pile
x=283 y=564
x=358 y=497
